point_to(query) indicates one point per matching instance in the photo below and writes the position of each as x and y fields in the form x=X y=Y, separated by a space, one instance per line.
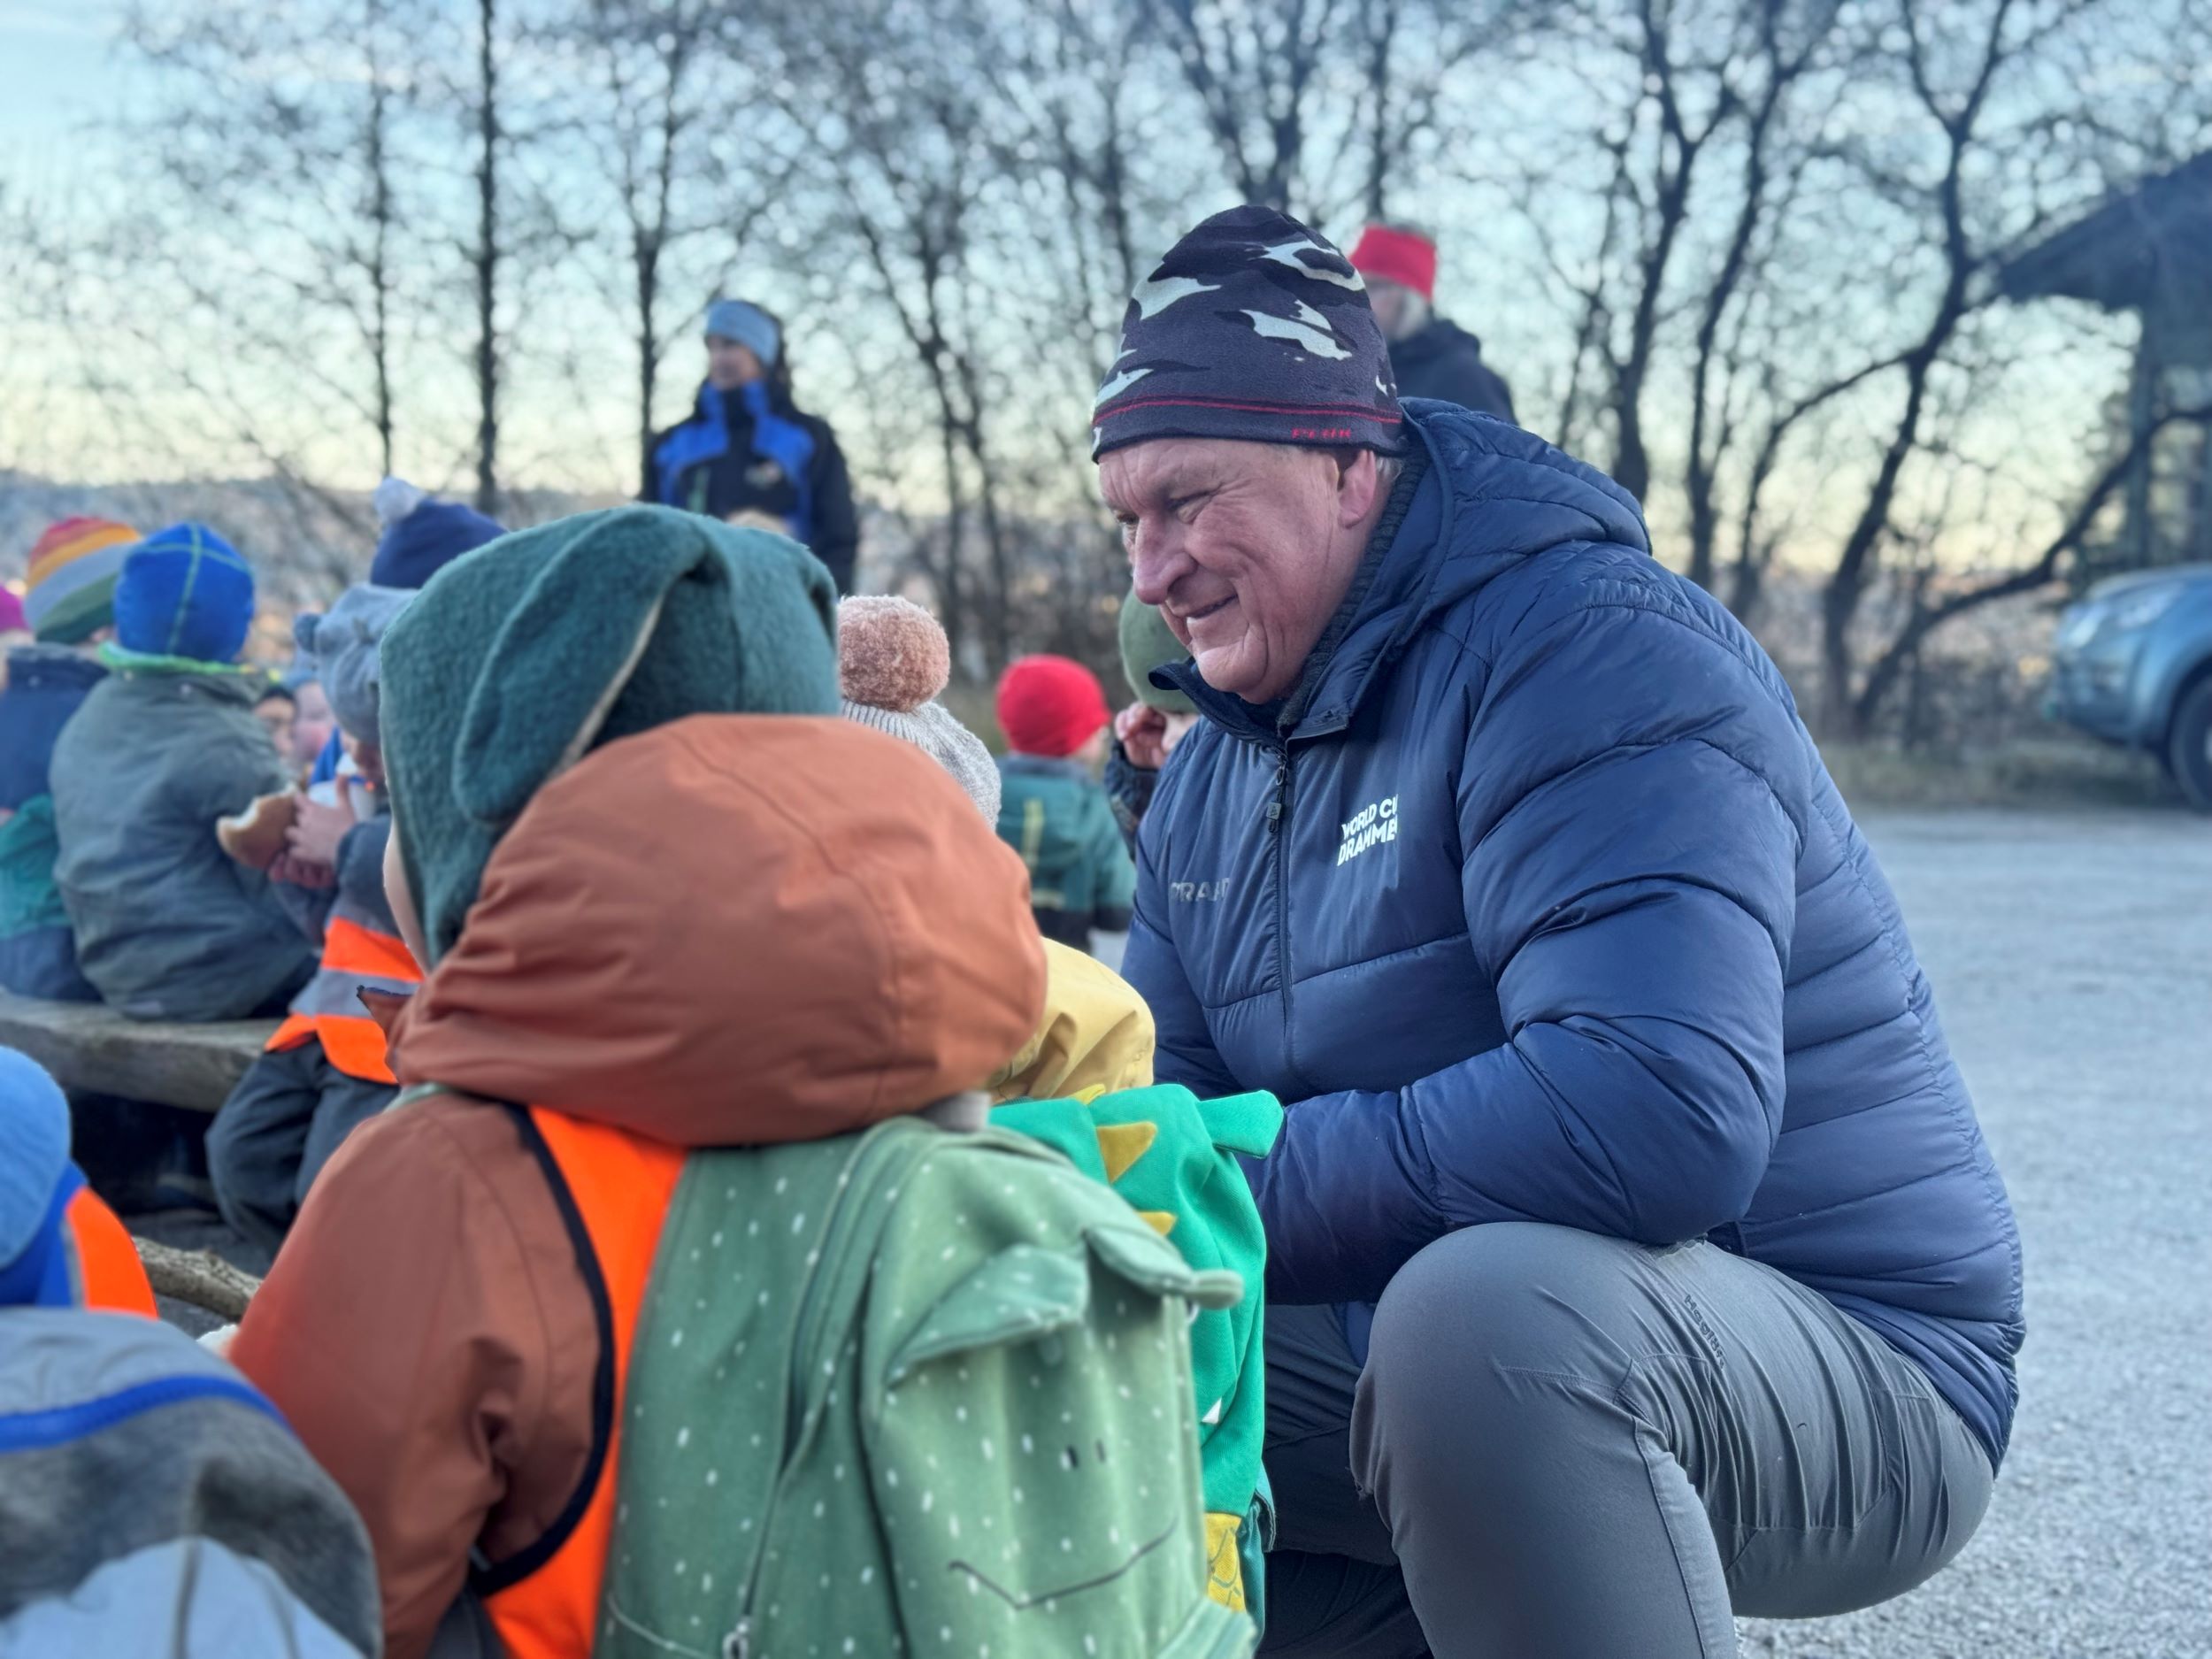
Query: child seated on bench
x=682 y=945
x=325 y=1071
x=70 y=606
x=152 y=1501
x=167 y=926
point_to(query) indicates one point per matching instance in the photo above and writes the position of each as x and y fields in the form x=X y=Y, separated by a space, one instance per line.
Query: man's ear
x=1358 y=485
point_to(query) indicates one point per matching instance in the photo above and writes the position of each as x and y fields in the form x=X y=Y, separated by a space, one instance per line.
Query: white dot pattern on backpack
x=1051 y=1349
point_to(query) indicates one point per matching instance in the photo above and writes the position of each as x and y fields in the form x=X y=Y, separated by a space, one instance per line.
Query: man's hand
x=1142 y=730
x=317 y=830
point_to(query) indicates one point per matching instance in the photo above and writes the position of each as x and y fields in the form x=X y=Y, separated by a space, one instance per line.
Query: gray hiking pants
x=280 y=1126
x=1569 y=1446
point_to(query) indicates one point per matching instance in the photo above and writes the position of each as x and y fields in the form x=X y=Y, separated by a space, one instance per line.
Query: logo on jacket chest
x=1372 y=826
x=1198 y=892
x=766 y=475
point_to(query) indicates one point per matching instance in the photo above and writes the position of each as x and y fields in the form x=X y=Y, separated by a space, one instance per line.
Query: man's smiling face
x=1247 y=549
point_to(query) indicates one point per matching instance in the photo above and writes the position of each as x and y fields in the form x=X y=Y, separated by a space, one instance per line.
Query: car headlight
x=2145 y=605
x=2080 y=626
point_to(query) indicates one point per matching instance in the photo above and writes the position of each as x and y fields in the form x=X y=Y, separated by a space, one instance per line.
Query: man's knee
x=1512 y=1295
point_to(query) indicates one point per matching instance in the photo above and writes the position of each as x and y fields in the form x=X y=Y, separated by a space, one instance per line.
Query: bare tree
x=895 y=132
x=680 y=191
x=288 y=154
x=1408 y=55
x=1925 y=614
x=484 y=255
x=1256 y=69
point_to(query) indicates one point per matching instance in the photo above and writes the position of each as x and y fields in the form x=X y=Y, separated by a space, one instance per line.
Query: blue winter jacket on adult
x=1536 y=902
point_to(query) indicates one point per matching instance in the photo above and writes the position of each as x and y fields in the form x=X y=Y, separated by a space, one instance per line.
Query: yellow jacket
x=1096 y=1037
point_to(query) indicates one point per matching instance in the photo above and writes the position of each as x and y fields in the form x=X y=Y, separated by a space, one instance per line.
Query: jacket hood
x=736 y=929
x=50 y=665
x=1480 y=497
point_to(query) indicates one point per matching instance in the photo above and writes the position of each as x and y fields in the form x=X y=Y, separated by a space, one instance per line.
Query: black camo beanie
x=1254 y=327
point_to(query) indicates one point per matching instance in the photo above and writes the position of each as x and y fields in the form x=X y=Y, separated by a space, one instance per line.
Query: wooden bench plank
x=92 y=1049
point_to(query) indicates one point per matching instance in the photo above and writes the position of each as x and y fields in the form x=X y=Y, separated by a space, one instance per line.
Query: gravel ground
x=2071 y=955
x=2072 y=960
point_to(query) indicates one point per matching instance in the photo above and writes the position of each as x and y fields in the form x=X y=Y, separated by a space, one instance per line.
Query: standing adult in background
x=749 y=454
x=1634 y=1258
x=1429 y=357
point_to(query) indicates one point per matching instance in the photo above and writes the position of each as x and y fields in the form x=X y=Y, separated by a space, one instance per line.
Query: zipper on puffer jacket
x=1278 y=812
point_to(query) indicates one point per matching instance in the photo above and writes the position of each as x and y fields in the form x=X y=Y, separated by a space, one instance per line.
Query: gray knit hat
x=892 y=661
x=344 y=649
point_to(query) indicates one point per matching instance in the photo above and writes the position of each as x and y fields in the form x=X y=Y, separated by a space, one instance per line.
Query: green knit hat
x=1146 y=643
x=521 y=658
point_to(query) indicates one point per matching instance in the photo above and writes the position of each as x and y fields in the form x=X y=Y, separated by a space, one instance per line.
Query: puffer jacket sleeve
x=1129 y=792
x=1185 y=1053
x=1114 y=875
x=1630 y=806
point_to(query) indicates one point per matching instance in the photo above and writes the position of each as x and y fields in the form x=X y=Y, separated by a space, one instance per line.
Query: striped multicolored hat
x=69 y=593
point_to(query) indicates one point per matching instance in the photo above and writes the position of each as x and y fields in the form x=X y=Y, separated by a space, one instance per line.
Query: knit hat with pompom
x=892 y=661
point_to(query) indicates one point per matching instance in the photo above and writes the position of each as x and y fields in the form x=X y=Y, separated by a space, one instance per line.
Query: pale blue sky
x=54 y=67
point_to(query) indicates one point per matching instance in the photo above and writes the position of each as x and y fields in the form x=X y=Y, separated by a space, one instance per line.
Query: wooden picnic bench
x=94 y=1051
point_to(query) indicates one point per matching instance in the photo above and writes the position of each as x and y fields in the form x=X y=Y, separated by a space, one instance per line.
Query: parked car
x=2133 y=666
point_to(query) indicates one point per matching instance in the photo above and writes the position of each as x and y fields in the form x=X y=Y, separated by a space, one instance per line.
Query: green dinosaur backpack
x=914 y=1391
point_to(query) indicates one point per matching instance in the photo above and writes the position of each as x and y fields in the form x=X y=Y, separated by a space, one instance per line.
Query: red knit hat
x=1404 y=257
x=1050 y=706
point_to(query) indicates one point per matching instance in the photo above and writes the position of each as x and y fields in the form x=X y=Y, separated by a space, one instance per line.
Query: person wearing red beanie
x=1053 y=811
x=1429 y=357
x=1050 y=706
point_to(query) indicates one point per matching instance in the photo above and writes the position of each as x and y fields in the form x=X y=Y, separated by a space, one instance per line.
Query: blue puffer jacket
x=1537 y=901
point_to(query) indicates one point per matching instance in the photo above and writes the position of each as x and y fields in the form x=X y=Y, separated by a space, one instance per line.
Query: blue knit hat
x=184 y=591
x=422 y=534
x=1251 y=327
x=33 y=1151
x=749 y=326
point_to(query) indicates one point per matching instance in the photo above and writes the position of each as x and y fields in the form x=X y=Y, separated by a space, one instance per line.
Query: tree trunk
x=1838 y=605
x=2138 y=536
x=1747 y=586
x=649 y=351
x=379 y=256
x=1381 y=37
x=952 y=606
x=487 y=262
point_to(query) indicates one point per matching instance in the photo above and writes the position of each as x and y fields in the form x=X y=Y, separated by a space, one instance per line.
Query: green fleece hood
x=521 y=658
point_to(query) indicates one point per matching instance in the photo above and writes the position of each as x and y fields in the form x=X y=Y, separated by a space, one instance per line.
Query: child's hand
x=317 y=830
x=299 y=873
x=1142 y=730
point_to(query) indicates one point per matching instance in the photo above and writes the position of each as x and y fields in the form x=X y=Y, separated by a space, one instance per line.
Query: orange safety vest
x=108 y=1268
x=356 y=955
x=613 y=1189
